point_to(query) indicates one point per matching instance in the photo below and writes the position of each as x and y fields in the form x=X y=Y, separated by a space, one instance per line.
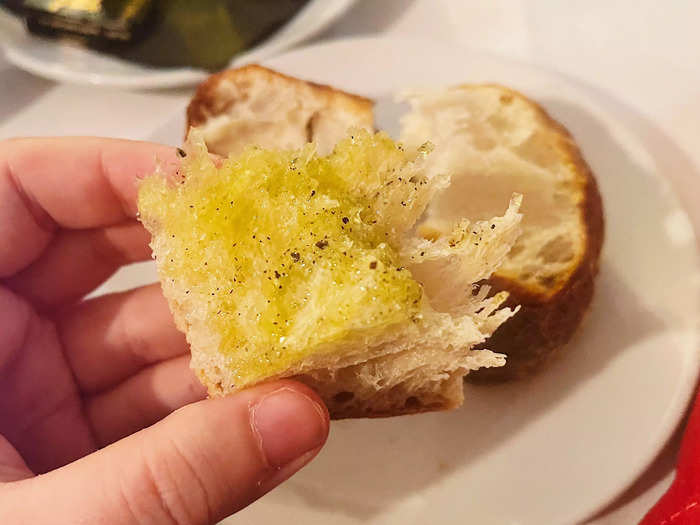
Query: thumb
x=197 y=466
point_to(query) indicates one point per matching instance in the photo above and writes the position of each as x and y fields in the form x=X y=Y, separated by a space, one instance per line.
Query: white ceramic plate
x=68 y=63
x=554 y=449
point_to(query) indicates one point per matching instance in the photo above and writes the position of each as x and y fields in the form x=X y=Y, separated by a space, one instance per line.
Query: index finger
x=50 y=183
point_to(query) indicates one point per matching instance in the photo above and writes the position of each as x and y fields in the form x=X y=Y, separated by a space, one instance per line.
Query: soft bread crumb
x=494 y=141
x=408 y=361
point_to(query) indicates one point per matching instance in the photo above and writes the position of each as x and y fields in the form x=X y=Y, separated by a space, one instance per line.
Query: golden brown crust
x=396 y=402
x=403 y=403
x=207 y=101
x=353 y=413
x=546 y=322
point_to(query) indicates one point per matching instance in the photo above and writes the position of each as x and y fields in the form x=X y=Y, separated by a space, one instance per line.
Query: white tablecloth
x=641 y=56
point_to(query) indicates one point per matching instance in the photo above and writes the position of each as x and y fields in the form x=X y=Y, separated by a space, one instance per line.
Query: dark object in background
x=94 y=22
x=162 y=33
x=207 y=33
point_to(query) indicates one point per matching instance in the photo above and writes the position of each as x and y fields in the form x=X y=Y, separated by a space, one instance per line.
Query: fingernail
x=289 y=424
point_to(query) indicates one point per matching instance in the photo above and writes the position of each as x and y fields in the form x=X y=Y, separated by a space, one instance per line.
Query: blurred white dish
x=554 y=449
x=74 y=64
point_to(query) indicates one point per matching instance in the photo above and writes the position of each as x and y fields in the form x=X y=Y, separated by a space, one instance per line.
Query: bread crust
x=207 y=102
x=396 y=402
x=421 y=407
x=546 y=322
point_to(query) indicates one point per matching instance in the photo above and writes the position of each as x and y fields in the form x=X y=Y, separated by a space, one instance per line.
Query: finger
x=78 y=261
x=109 y=338
x=41 y=412
x=143 y=399
x=197 y=466
x=74 y=183
x=12 y=466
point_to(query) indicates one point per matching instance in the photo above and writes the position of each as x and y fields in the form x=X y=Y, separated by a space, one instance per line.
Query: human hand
x=84 y=384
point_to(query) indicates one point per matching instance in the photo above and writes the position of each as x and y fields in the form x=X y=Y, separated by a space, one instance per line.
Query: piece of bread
x=500 y=134
x=256 y=105
x=495 y=141
x=287 y=264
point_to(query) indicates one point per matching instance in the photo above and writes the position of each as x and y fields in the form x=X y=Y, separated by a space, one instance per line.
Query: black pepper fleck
x=321 y=244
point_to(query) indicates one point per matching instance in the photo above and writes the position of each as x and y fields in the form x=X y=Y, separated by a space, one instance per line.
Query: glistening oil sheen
x=281 y=250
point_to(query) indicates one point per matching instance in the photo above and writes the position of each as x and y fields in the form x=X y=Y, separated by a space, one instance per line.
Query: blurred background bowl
x=64 y=62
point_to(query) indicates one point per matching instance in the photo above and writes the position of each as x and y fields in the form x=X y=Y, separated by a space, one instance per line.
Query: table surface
x=640 y=57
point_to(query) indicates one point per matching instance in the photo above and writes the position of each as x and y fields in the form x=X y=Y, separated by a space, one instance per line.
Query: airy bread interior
x=412 y=365
x=494 y=143
x=495 y=140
